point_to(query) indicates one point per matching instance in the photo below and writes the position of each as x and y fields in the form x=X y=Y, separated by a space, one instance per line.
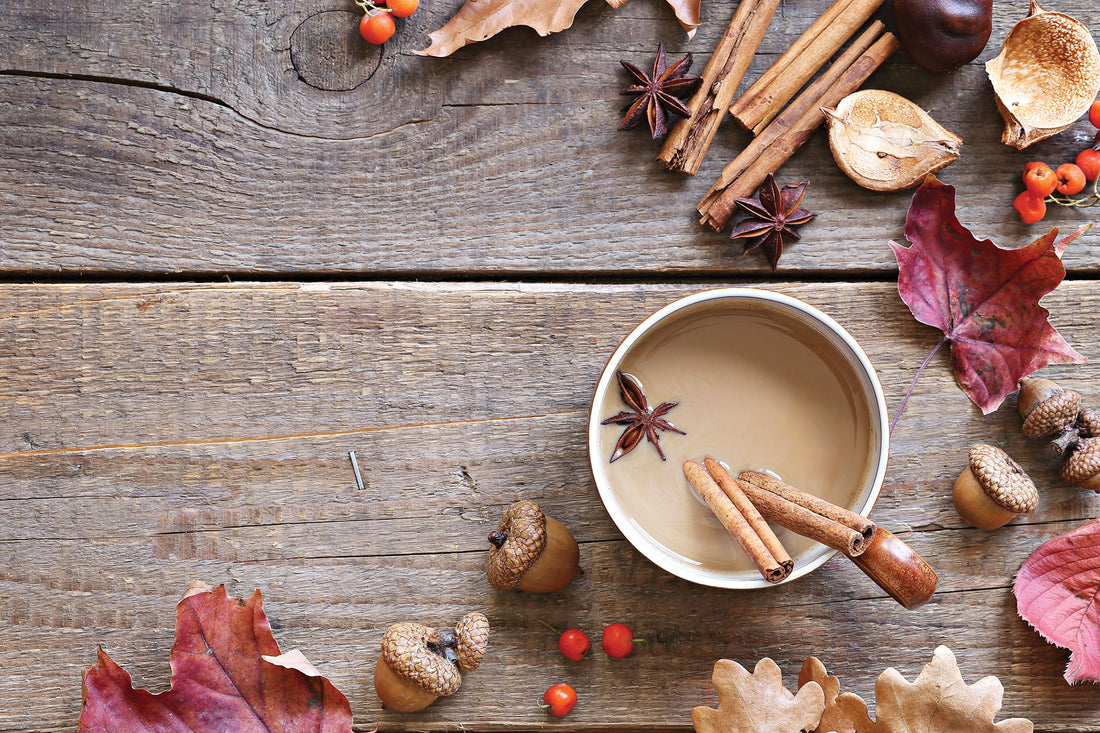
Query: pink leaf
x=1057 y=592
x=221 y=680
x=985 y=299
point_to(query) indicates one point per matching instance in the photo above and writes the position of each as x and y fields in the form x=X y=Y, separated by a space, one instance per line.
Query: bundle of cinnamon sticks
x=743 y=504
x=780 y=129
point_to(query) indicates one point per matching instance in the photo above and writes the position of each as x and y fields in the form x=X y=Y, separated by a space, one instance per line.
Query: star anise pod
x=771 y=219
x=642 y=422
x=659 y=93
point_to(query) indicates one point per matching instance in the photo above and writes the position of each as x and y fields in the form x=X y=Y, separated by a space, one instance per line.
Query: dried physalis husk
x=884 y=142
x=1047 y=75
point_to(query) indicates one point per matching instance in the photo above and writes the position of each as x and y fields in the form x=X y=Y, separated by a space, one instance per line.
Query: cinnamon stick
x=848 y=518
x=754 y=109
x=690 y=137
x=762 y=546
x=793 y=516
x=760 y=526
x=743 y=176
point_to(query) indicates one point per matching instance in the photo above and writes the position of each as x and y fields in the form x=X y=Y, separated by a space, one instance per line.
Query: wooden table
x=239 y=243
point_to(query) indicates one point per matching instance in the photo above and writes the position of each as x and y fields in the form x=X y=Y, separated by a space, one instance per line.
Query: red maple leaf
x=985 y=299
x=227 y=675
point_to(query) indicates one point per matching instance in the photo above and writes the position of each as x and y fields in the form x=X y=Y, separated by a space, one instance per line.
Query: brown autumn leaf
x=938 y=702
x=758 y=702
x=833 y=719
x=478 y=20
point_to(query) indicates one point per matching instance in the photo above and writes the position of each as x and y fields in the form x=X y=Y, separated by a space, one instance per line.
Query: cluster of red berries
x=617 y=642
x=1067 y=179
x=377 y=25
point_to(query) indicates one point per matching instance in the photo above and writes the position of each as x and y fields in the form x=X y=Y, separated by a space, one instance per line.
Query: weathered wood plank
x=158 y=433
x=140 y=364
x=222 y=159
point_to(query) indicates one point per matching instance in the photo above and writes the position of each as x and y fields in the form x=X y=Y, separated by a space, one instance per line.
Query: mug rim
x=835 y=333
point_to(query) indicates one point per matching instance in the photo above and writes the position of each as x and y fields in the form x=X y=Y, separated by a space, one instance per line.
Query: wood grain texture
x=159 y=433
x=211 y=137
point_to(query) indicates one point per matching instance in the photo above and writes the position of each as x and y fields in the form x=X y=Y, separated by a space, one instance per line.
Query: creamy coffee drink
x=757 y=389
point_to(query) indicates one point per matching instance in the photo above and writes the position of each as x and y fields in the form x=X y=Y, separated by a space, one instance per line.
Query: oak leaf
x=227 y=675
x=833 y=719
x=938 y=702
x=985 y=299
x=478 y=20
x=758 y=702
x=1058 y=592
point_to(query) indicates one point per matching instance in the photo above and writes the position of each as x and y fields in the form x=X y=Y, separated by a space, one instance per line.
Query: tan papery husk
x=884 y=142
x=1046 y=76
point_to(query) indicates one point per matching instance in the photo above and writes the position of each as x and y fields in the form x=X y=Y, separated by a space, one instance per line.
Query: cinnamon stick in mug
x=792 y=515
x=848 y=518
x=751 y=532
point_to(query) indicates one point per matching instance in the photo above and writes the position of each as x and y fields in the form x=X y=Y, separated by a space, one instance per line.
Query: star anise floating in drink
x=772 y=219
x=660 y=93
x=642 y=422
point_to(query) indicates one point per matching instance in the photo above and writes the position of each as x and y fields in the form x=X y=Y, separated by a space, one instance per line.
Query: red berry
x=1039 y=178
x=1071 y=179
x=574 y=644
x=1094 y=114
x=559 y=699
x=618 y=640
x=403 y=8
x=377 y=28
x=1030 y=206
x=1088 y=160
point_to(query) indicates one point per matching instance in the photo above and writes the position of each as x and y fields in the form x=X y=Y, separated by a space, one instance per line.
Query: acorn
x=531 y=551
x=1047 y=409
x=419 y=663
x=1082 y=466
x=993 y=489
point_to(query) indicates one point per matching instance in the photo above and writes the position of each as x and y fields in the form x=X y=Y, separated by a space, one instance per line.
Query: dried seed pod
x=531 y=551
x=471 y=640
x=993 y=489
x=1082 y=466
x=1046 y=76
x=941 y=35
x=884 y=142
x=409 y=676
x=1047 y=409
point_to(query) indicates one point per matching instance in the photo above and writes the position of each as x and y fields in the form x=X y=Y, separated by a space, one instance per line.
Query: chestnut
x=942 y=35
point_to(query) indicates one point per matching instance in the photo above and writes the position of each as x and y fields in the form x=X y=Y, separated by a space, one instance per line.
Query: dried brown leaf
x=938 y=702
x=833 y=719
x=481 y=19
x=758 y=702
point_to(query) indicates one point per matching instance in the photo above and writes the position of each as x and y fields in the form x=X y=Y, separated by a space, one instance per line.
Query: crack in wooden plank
x=272 y=438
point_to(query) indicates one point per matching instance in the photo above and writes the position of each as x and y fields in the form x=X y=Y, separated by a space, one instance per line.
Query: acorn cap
x=405 y=650
x=1053 y=414
x=471 y=640
x=1083 y=463
x=523 y=528
x=1088 y=423
x=1002 y=479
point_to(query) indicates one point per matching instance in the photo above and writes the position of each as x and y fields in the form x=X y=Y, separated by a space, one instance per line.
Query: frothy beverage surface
x=757 y=390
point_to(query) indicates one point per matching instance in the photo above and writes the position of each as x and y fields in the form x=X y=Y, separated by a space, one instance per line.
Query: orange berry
x=1071 y=179
x=1030 y=206
x=1039 y=178
x=1088 y=160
